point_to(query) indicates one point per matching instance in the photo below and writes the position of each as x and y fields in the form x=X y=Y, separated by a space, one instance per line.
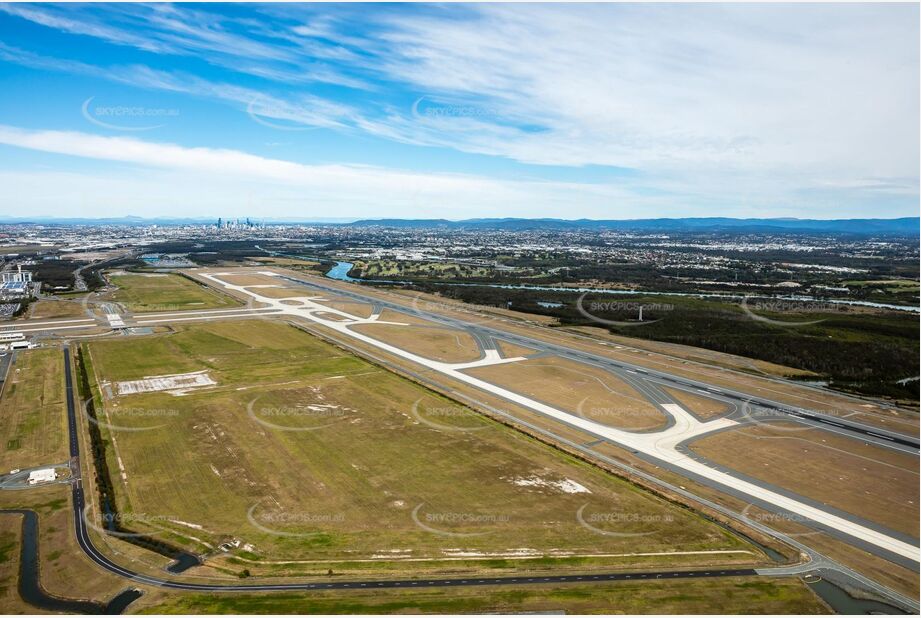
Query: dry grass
x=66 y=572
x=713 y=596
x=704 y=407
x=33 y=431
x=511 y=350
x=10 y=535
x=580 y=389
x=690 y=353
x=57 y=309
x=166 y=292
x=408 y=317
x=279 y=292
x=245 y=278
x=869 y=481
x=280 y=261
x=351 y=482
x=359 y=310
x=669 y=357
x=441 y=344
x=822 y=401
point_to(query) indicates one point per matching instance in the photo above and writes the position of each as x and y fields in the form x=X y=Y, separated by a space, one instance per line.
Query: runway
x=880 y=436
x=658 y=446
x=661 y=447
x=683 y=424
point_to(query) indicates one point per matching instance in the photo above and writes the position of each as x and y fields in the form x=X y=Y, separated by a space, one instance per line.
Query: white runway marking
x=661 y=445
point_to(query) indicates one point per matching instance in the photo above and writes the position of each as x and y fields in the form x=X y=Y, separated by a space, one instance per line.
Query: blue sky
x=457 y=111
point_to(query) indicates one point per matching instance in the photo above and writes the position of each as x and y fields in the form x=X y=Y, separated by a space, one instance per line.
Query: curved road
x=86 y=544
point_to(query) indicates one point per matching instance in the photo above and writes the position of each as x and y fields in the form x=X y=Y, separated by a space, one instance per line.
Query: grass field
x=872 y=482
x=166 y=292
x=903 y=284
x=591 y=392
x=441 y=344
x=10 y=601
x=359 y=310
x=695 y=354
x=511 y=350
x=57 y=309
x=855 y=349
x=32 y=412
x=286 y=262
x=305 y=453
x=723 y=596
x=704 y=407
x=248 y=278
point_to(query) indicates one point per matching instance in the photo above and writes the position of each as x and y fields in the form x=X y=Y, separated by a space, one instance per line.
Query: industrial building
x=15 y=284
x=45 y=475
x=17 y=276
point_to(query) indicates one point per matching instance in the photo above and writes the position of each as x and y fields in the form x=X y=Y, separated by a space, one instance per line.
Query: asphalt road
x=87 y=546
x=818 y=564
x=483 y=334
x=876 y=435
x=6 y=362
x=658 y=447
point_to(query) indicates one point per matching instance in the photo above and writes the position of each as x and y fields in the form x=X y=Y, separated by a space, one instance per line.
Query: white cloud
x=211 y=171
x=830 y=87
x=790 y=109
x=149 y=178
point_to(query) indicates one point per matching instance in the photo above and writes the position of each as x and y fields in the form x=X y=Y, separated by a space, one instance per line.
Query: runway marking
x=661 y=445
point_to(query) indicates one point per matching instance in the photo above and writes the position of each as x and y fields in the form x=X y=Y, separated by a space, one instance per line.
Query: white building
x=44 y=475
x=20 y=276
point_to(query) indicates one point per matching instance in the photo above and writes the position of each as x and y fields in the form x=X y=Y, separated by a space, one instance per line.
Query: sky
x=456 y=111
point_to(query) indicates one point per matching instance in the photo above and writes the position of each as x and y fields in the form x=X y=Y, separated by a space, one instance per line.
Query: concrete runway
x=660 y=447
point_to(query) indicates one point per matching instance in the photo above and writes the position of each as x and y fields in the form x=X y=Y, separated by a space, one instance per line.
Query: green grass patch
x=167 y=292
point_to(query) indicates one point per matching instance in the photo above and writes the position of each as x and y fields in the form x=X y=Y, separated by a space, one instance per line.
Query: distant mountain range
x=905 y=226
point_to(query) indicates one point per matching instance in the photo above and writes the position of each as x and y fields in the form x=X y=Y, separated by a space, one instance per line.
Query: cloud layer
x=778 y=107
